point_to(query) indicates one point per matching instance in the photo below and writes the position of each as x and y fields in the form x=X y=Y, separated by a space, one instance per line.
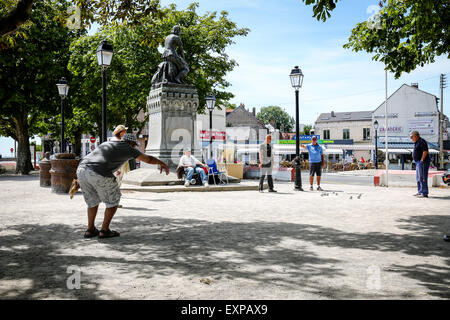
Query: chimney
x=332 y=114
x=254 y=111
x=415 y=85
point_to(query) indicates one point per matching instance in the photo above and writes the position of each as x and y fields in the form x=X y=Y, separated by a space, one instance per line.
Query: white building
x=350 y=131
x=409 y=109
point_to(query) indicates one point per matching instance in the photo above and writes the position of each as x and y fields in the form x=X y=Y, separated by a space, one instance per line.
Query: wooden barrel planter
x=44 y=173
x=63 y=171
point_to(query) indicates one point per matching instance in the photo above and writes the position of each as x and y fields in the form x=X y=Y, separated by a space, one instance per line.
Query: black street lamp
x=297 y=81
x=375 y=126
x=63 y=89
x=210 y=104
x=104 y=56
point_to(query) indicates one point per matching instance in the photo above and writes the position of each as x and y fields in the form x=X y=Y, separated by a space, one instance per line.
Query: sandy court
x=381 y=244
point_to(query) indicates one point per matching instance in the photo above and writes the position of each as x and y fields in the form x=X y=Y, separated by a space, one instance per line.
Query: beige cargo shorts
x=97 y=188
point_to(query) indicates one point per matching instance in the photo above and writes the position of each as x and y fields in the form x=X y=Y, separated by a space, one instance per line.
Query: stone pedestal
x=172 y=122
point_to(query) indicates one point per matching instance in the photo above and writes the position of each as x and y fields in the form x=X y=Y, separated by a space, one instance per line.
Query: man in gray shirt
x=98 y=184
x=266 y=157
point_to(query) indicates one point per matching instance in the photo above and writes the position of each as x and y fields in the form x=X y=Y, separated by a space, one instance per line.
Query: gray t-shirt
x=267 y=154
x=108 y=157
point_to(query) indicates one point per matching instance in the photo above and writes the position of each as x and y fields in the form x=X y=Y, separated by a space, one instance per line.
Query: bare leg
x=318 y=180
x=311 y=180
x=92 y=213
x=109 y=214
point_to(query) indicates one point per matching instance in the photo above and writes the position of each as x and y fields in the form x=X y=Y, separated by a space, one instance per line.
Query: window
x=346 y=134
x=366 y=134
x=326 y=134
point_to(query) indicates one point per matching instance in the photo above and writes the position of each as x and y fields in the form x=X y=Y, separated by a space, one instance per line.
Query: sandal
x=91 y=233
x=108 y=234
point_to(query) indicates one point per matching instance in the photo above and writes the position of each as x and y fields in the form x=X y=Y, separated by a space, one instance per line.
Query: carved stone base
x=172 y=122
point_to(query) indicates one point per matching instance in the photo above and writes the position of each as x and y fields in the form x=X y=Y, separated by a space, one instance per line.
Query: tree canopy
x=408 y=34
x=14 y=13
x=283 y=121
x=29 y=72
x=405 y=35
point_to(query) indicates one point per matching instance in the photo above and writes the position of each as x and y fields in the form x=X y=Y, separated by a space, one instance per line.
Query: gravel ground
x=380 y=244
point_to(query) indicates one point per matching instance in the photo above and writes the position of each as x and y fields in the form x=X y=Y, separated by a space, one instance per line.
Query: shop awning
x=400 y=151
x=333 y=151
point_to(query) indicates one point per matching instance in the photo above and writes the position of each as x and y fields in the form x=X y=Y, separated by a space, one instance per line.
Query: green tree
x=28 y=75
x=404 y=35
x=306 y=129
x=128 y=81
x=283 y=121
x=15 y=13
x=205 y=39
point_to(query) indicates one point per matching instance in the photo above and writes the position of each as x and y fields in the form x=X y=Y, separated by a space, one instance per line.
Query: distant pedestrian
x=98 y=184
x=266 y=157
x=422 y=159
x=316 y=163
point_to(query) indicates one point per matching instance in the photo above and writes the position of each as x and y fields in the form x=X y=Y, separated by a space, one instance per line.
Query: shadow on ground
x=255 y=251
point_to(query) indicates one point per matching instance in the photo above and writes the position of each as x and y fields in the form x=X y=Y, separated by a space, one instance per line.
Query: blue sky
x=284 y=34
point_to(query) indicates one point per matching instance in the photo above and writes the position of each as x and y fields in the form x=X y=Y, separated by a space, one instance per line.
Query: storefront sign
x=216 y=135
x=425 y=126
x=318 y=141
x=391 y=129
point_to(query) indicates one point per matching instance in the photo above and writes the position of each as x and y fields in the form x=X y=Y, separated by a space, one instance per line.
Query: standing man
x=266 y=156
x=422 y=159
x=316 y=162
x=98 y=184
x=190 y=164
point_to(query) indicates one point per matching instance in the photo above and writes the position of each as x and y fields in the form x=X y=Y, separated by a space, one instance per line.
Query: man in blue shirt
x=316 y=162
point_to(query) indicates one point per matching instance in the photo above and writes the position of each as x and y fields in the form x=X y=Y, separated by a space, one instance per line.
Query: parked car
x=446 y=177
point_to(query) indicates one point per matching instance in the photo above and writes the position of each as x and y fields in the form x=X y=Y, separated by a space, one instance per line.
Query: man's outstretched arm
x=153 y=160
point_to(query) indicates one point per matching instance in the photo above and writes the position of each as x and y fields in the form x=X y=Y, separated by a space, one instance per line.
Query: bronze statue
x=174 y=68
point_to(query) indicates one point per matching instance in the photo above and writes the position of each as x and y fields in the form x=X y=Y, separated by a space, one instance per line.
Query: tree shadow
x=156 y=246
x=431 y=228
x=273 y=253
x=32 y=253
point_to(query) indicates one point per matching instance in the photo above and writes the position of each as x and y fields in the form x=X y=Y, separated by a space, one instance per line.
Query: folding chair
x=213 y=171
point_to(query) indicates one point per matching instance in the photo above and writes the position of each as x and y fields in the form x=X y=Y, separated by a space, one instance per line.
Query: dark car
x=446 y=177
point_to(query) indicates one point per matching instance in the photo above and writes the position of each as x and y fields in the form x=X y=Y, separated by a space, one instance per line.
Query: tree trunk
x=77 y=144
x=23 y=165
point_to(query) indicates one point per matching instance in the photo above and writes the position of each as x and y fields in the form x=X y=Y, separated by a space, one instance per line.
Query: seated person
x=190 y=163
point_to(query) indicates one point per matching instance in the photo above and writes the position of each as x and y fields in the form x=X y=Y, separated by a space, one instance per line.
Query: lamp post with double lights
x=297 y=81
x=104 y=57
x=63 y=89
x=210 y=104
x=375 y=126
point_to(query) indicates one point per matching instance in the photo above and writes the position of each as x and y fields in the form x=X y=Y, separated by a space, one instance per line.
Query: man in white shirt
x=190 y=163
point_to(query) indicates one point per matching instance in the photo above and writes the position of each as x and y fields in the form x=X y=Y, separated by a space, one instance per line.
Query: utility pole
x=441 y=147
